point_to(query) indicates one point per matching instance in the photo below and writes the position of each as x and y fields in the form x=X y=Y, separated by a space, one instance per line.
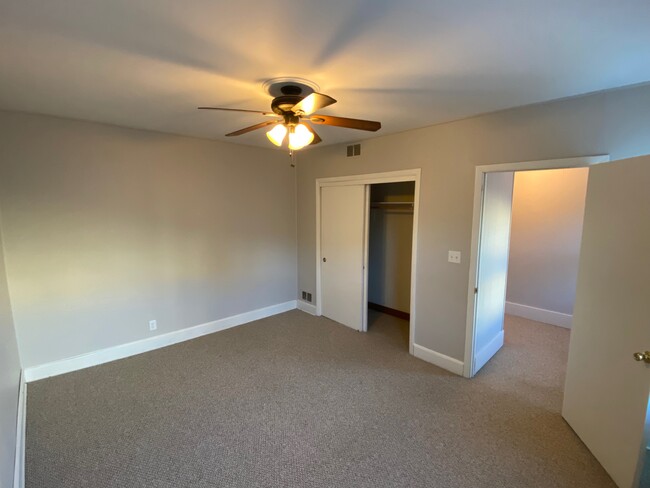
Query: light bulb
x=277 y=134
x=300 y=137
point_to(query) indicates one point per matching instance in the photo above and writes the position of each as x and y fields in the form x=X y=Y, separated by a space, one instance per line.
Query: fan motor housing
x=284 y=103
x=287 y=91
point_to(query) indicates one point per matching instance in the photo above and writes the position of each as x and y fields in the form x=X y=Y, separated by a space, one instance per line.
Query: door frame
x=477 y=219
x=371 y=179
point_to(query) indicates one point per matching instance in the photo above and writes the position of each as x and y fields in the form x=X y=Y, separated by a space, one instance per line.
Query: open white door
x=492 y=273
x=343 y=228
x=606 y=391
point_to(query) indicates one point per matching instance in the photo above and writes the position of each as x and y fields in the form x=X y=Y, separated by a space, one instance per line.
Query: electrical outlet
x=454 y=257
x=304 y=295
x=153 y=325
x=309 y=297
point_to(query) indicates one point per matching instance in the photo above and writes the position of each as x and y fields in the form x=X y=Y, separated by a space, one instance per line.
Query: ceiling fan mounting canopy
x=276 y=86
x=295 y=101
x=291 y=90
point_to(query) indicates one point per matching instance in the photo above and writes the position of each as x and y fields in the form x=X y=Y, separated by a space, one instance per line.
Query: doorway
x=343 y=236
x=529 y=250
x=490 y=254
x=390 y=241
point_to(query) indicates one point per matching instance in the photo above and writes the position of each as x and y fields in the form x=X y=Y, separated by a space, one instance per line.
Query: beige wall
x=9 y=380
x=390 y=241
x=547 y=212
x=106 y=228
x=615 y=122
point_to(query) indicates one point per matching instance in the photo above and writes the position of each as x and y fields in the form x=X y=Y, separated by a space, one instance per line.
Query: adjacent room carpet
x=300 y=401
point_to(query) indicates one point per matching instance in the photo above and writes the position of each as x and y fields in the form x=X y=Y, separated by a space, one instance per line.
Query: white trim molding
x=21 y=424
x=539 y=314
x=307 y=307
x=121 y=351
x=440 y=360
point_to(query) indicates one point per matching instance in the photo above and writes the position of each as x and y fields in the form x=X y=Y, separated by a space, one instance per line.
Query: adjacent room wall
x=9 y=380
x=614 y=123
x=106 y=228
x=390 y=241
x=546 y=230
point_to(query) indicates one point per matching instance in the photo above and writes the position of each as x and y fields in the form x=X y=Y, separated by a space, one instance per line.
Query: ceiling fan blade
x=273 y=114
x=251 y=128
x=311 y=103
x=345 y=122
x=317 y=138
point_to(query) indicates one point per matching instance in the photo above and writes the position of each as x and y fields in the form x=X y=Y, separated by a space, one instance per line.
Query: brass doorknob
x=642 y=356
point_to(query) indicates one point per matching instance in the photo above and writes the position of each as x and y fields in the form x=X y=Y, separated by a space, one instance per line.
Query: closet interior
x=390 y=240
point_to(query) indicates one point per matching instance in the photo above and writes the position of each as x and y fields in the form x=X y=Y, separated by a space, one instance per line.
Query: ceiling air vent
x=354 y=150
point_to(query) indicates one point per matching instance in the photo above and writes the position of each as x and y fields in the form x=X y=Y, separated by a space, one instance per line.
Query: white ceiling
x=408 y=63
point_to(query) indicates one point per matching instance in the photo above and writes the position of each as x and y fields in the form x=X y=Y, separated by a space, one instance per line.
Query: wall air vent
x=354 y=150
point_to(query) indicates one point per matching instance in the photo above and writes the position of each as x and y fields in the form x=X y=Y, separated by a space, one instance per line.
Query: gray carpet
x=300 y=401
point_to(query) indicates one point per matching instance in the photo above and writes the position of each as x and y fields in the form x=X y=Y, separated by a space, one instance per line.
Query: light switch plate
x=454 y=257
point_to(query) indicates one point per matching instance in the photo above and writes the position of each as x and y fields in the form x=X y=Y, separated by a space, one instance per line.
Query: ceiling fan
x=295 y=110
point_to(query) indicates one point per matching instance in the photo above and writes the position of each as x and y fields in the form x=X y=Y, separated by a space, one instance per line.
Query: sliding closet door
x=343 y=215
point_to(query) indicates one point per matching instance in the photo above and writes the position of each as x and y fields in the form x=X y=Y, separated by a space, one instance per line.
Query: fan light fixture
x=295 y=101
x=277 y=134
x=299 y=135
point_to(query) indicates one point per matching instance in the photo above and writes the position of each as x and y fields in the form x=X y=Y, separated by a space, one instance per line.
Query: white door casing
x=343 y=227
x=606 y=390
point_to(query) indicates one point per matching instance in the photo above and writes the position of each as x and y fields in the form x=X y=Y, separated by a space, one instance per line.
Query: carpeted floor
x=300 y=401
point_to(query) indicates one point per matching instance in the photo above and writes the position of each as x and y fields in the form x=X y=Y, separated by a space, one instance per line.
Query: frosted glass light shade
x=277 y=134
x=300 y=137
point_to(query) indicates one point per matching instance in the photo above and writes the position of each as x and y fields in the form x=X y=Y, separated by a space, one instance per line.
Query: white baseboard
x=21 y=418
x=440 y=360
x=539 y=314
x=307 y=307
x=487 y=351
x=121 y=351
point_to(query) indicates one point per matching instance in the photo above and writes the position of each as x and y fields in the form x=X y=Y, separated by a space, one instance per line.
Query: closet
x=390 y=239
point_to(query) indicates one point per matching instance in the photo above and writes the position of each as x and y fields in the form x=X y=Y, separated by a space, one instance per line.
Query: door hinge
x=475 y=290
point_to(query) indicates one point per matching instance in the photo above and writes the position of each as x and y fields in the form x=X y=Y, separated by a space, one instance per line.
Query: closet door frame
x=371 y=179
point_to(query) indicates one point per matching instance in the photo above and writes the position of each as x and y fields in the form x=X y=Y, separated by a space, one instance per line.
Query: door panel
x=494 y=244
x=343 y=210
x=606 y=390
